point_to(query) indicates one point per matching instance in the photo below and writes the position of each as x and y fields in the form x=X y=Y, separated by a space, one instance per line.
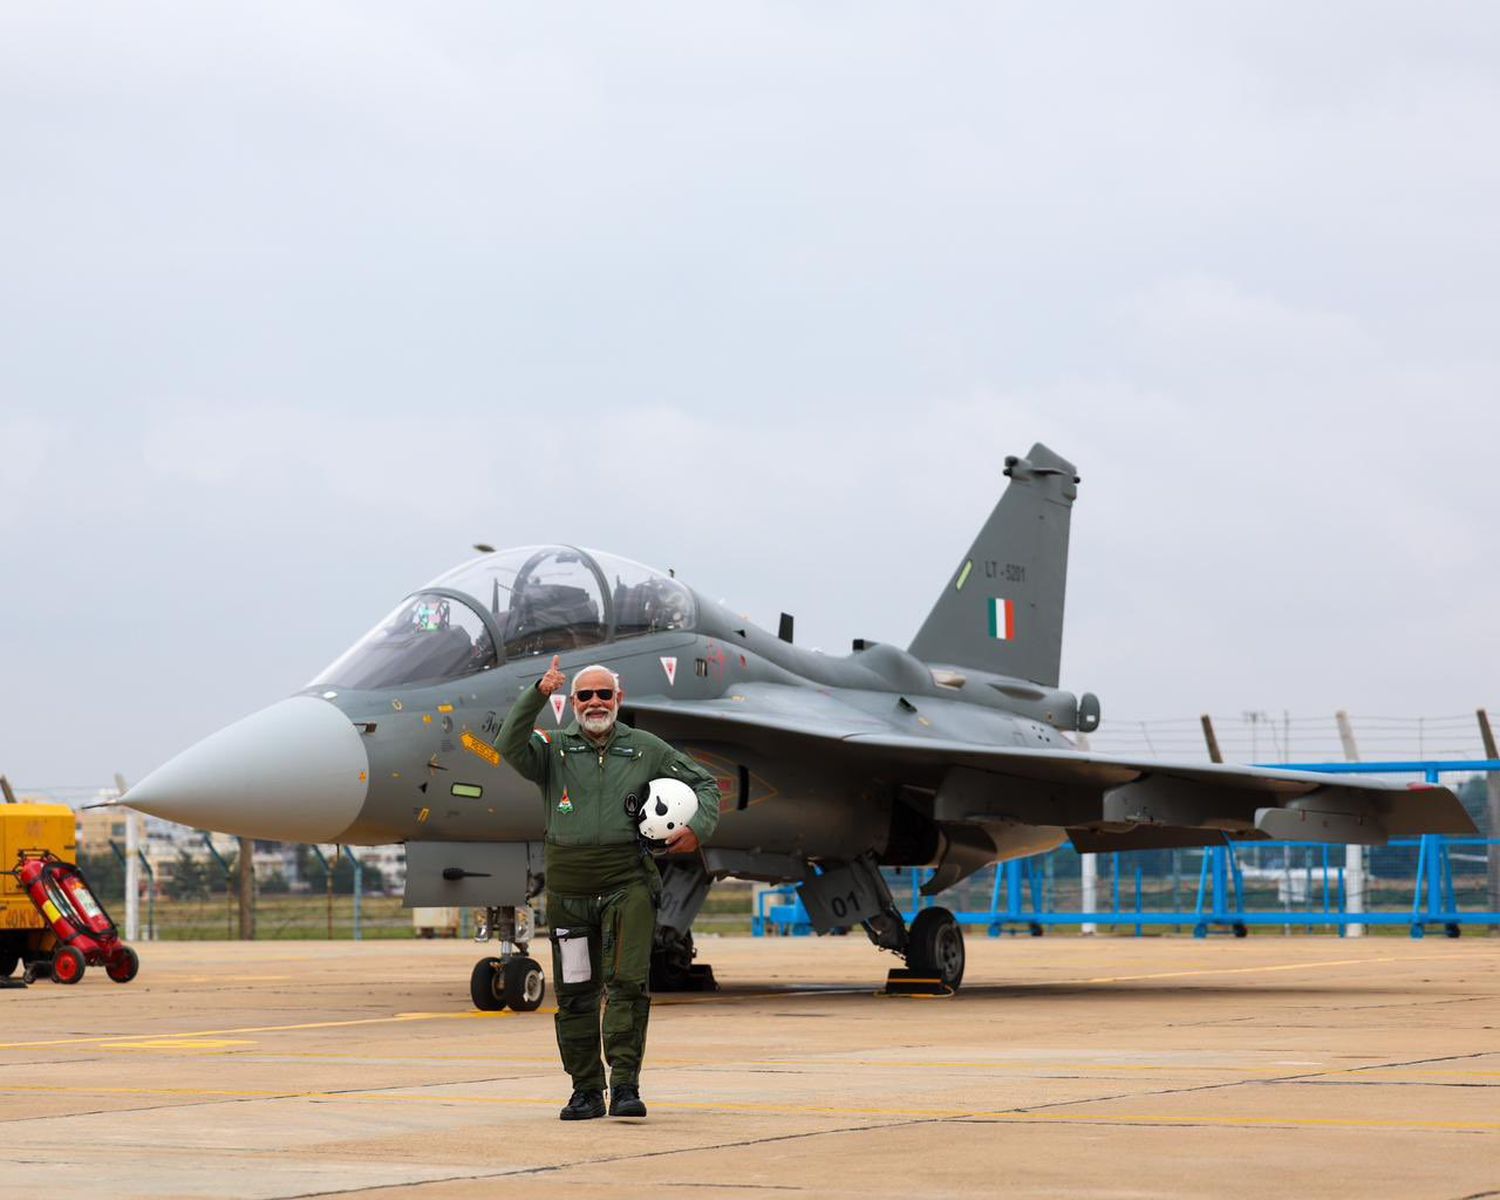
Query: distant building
x=98 y=827
x=392 y=863
x=161 y=842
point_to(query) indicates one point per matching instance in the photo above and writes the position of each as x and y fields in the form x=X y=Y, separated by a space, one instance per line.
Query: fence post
x=247 y=889
x=132 y=868
x=120 y=855
x=1492 y=796
x=1088 y=870
x=328 y=885
x=150 y=895
x=208 y=840
x=1354 y=856
x=1214 y=754
x=359 y=888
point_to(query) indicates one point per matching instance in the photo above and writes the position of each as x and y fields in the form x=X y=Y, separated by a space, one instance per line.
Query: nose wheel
x=515 y=982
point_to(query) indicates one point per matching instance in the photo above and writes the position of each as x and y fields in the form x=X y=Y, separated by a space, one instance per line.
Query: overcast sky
x=299 y=300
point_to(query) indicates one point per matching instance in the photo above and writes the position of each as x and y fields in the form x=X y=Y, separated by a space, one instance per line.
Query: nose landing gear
x=512 y=980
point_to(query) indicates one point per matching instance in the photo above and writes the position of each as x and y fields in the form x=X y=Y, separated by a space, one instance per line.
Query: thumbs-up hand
x=553 y=679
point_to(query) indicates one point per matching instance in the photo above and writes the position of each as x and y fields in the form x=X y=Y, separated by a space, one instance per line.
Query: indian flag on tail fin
x=1002 y=619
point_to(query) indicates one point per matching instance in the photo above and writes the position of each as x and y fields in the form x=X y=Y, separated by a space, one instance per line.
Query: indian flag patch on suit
x=1002 y=619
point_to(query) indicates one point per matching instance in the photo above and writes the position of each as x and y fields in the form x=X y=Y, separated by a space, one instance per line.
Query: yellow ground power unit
x=29 y=829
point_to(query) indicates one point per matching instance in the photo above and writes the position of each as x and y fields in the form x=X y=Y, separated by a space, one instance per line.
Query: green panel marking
x=963 y=576
x=469 y=791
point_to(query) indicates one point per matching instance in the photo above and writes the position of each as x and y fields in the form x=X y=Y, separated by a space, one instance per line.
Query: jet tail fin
x=1002 y=611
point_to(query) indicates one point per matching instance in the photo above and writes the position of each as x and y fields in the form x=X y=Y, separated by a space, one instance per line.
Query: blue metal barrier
x=1017 y=895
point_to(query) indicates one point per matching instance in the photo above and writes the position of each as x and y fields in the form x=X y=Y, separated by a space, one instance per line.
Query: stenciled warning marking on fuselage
x=481 y=749
x=669 y=665
x=559 y=702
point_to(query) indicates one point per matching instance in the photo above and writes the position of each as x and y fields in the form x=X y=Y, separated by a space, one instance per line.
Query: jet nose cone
x=294 y=772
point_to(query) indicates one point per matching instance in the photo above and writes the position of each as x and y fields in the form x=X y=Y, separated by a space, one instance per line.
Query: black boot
x=586 y=1104
x=625 y=1101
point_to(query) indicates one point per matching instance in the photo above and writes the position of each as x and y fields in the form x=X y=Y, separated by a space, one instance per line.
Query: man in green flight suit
x=602 y=885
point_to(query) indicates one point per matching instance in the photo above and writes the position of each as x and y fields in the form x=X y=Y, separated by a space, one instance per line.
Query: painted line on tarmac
x=1332 y=962
x=1018 y=1065
x=716 y=999
x=1185 y=1120
x=106 y=1039
x=822 y=1110
x=396 y=1018
x=791 y=993
x=1080 y=1067
x=180 y=1044
x=545 y=1102
x=173 y=978
x=835 y=990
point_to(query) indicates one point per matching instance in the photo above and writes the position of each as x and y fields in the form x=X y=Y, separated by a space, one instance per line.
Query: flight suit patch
x=565 y=805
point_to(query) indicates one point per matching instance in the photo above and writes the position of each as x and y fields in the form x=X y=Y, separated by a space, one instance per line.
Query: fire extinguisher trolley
x=85 y=934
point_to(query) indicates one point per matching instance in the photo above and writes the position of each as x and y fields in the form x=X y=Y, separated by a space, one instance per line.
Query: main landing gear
x=684 y=887
x=935 y=947
x=856 y=893
x=512 y=980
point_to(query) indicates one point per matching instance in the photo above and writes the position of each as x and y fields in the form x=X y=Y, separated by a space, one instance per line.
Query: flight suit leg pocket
x=573 y=956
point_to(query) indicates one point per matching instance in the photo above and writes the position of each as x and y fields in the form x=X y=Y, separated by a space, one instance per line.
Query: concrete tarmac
x=1111 y=1067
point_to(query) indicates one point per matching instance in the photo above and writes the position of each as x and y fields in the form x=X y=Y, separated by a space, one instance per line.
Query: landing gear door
x=843 y=896
x=468 y=874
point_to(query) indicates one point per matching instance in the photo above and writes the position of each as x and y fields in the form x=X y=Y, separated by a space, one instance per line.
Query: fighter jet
x=951 y=753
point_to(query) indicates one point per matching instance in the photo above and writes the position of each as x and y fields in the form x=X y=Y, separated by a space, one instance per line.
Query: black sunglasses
x=586 y=694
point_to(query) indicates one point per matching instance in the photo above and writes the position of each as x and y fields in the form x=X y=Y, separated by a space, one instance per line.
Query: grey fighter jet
x=952 y=753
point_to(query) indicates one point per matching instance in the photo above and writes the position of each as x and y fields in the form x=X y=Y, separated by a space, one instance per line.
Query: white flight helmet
x=667 y=806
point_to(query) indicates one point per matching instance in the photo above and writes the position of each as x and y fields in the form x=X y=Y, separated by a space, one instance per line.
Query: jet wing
x=1101 y=798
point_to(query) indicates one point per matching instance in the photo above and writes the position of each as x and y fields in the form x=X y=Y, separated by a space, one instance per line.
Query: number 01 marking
x=842 y=908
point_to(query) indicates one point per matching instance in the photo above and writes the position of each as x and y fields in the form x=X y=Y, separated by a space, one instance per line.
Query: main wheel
x=487 y=985
x=125 y=966
x=525 y=985
x=10 y=957
x=935 y=943
x=672 y=956
x=67 y=964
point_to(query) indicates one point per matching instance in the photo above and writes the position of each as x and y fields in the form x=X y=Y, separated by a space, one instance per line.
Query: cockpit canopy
x=507 y=605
